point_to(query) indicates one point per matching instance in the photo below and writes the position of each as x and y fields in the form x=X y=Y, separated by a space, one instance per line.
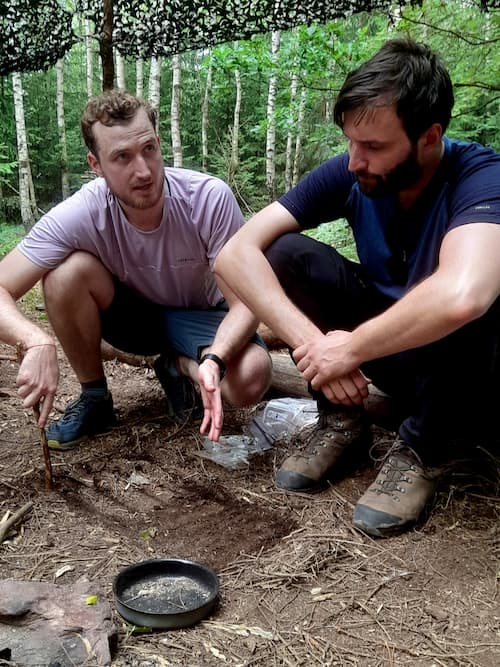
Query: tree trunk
x=61 y=127
x=271 y=121
x=139 y=77
x=235 y=135
x=27 y=204
x=175 y=109
x=106 y=47
x=120 y=70
x=204 y=119
x=89 y=59
x=298 y=138
x=154 y=87
x=290 y=135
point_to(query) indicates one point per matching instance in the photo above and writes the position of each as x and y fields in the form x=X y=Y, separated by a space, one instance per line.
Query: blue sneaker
x=184 y=402
x=86 y=416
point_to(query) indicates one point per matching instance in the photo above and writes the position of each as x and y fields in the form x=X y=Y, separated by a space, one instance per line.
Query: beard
x=401 y=177
x=141 y=201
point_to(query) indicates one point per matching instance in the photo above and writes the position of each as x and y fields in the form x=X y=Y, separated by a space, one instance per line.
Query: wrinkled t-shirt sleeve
x=477 y=197
x=321 y=195
x=60 y=232
x=219 y=214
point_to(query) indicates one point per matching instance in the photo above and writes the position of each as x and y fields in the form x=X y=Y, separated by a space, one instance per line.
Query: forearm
x=16 y=328
x=254 y=282
x=234 y=332
x=429 y=312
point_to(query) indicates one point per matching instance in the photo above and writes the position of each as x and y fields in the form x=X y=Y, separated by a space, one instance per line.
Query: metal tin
x=165 y=593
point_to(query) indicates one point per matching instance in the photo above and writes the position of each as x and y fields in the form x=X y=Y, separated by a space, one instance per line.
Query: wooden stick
x=8 y=357
x=6 y=525
x=43 y=436
x=46 y=451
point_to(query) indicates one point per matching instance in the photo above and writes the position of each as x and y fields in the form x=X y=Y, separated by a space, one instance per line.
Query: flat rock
x=48 y=625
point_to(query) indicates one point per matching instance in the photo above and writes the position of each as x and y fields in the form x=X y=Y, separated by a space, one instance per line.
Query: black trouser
x=449 y=390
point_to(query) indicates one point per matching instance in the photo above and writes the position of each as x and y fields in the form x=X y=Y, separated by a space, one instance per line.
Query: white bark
x=204 y=119
x=89 y=58
x=139 y=77
x=298 y=137
x=289 y=154
x=235 y=134
x=61 y=127
x=175 y=127
x=271 y=121
x=154 y=86
x=27 y=205
x=120 y=70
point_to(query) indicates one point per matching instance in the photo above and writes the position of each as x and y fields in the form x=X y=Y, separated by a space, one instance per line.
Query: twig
x=43 y=436
x=6 y=525
x=8 y=357
x=46 y=451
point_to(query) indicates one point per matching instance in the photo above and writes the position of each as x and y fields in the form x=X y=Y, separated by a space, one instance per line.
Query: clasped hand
x=327 y=363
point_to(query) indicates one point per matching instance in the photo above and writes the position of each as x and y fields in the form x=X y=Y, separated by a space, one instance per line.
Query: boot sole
x=67 y=446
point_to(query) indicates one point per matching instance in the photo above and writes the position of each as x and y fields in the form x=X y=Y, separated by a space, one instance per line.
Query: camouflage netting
x=165 y=27
x=35 y=33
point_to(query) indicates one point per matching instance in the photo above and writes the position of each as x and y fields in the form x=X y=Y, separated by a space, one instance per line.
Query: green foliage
x=319 y=54
x=10 y=235
x=467 y=39
x=337 y=234
x=7 y=166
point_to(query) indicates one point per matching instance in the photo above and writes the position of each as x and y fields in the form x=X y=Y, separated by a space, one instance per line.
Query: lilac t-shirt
x=171 y=265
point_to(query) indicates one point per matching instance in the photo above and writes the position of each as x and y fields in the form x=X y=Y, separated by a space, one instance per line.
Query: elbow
x=227 y=258
x=220 y=262
x=468 y=306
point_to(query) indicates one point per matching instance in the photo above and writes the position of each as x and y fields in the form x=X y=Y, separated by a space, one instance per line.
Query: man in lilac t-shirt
x=128 y=259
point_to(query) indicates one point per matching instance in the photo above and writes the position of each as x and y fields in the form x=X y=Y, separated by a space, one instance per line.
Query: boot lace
x=396 y=464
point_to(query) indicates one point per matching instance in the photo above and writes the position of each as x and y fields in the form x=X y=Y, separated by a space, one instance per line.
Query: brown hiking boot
x=398 y=495
x=307 y=470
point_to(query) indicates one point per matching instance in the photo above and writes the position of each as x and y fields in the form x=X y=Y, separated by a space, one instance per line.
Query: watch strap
x=213 y=357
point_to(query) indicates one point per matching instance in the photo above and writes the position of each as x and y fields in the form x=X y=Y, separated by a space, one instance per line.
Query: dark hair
x=112 y=107
x=407 y=74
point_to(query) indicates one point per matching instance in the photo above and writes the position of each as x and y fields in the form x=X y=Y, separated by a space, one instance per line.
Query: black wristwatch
x=218 y=361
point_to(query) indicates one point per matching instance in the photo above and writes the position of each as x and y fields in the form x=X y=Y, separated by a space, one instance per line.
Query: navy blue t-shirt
x=400 y=247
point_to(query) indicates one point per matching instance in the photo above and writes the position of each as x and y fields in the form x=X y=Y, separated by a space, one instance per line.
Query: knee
x=250 y=378
x=77 y=273
x=282 y=251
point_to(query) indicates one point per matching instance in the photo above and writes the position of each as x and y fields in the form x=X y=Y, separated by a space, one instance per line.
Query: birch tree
x=204 y=117
x=271 y=121
x=89 y=59
x=289 y=152
x=154 y=86
x=26 y=202
x=120 y=70
x=235 y=132
x=61 y=127
x=175 y=108
x=139 y=76
x=298 y=137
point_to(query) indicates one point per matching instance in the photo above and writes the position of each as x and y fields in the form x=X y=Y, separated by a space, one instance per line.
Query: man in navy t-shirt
x=418 y=315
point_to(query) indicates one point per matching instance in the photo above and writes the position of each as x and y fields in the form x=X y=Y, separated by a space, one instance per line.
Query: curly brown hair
x=112 y=107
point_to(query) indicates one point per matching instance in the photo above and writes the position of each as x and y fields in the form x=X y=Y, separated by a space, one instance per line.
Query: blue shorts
x=134 y=324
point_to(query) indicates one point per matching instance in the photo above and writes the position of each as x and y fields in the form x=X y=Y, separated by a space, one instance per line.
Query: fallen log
x=286 y=380
x=110 y=353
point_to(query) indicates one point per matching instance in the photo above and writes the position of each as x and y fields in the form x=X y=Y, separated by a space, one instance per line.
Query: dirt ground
x=299 y=586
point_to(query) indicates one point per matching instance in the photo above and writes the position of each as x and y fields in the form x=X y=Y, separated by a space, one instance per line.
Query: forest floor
x=299 y=585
